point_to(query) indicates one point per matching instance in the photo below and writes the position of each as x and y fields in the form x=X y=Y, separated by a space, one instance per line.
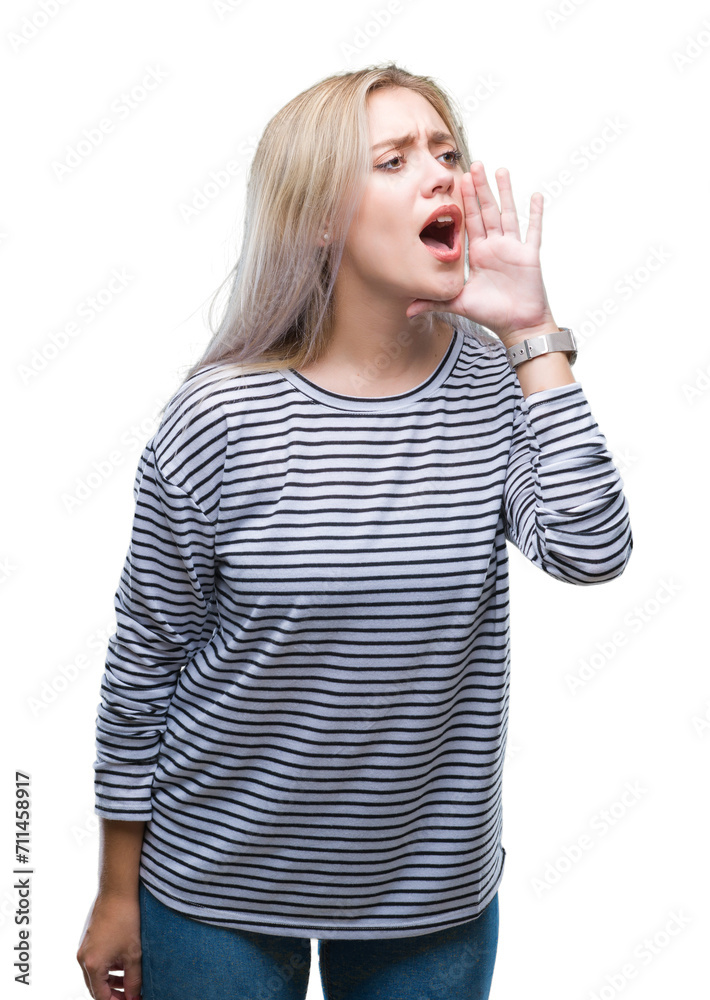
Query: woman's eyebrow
x=407 y=140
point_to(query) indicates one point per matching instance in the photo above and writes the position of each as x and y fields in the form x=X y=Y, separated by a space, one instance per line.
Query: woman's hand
x=112 y=940
x=504 y=291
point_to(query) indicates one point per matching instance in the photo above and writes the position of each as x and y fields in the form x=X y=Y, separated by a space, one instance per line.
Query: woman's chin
x=442 y=290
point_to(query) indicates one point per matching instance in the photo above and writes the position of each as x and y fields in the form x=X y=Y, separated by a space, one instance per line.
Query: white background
x=625 y=263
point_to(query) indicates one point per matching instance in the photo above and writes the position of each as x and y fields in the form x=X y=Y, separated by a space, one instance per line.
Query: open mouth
x=439 y=235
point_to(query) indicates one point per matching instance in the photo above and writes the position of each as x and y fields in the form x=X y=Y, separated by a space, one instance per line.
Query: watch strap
x=560 y=340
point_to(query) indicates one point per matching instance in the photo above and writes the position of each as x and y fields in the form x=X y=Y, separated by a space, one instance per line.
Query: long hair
x=308 y=174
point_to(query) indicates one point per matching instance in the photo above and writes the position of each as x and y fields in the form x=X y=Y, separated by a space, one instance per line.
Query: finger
x=130 y=983
x=97 y=985
x=132 y=980
x=103 y=985
x=533 y=237
x=489 y=206
x=95 y=982
x=475 y=229
x=126 y=987
x=508 y=211
x=421 y=306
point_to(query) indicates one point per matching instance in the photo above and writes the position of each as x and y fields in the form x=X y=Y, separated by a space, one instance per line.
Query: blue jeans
x=184 y=959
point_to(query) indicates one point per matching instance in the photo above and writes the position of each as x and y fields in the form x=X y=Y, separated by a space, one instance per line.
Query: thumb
x=419 y=306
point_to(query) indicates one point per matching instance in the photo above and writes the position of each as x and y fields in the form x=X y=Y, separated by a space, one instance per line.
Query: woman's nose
x=437 y=176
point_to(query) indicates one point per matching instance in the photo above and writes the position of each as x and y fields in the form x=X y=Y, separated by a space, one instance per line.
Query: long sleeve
x=164 y=614
x=564 y=503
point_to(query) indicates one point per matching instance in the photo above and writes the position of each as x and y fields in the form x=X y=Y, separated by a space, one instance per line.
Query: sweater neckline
x=381 y=404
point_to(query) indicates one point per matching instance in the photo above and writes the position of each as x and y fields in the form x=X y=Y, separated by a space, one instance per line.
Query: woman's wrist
x=123 y=892
x=546 y=371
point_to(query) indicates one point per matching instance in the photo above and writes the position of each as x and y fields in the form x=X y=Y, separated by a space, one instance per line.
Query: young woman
x=305 y=703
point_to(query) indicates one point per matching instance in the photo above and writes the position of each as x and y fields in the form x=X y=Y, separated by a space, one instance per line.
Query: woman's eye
x=384 y=166
x=391 y=165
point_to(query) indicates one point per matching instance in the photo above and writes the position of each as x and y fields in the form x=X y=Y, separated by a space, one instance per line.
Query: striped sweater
x=306 y=695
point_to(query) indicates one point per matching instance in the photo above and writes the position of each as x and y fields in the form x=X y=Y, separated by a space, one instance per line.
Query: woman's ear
x=325 y=235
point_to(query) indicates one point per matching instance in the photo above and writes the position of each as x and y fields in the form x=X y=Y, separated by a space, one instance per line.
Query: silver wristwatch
x=562 y=340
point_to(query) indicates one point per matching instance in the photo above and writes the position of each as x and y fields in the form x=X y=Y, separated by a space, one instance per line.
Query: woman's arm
x=564 y=503
x=111 y=938
x=165 y=613
x=119 y=857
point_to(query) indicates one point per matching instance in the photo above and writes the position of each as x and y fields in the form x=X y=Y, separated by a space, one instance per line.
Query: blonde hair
x=308 y=174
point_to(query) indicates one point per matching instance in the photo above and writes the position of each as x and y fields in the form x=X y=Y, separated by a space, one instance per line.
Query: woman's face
x=409 y=183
